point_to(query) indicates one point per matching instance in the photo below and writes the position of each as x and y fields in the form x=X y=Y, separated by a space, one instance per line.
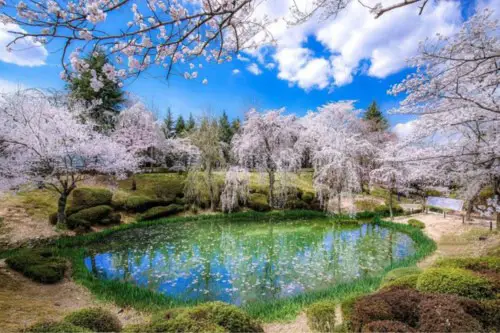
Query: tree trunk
x=468 y=214
x=390 y=204
x=134 y=184
x=339 y=202
x=61 y=209
x=271 y=188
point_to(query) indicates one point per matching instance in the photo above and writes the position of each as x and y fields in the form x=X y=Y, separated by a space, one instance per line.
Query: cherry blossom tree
x=265 y=142
x=157 y=32
x=46 y=144
x=236 y=189
x=334 y=135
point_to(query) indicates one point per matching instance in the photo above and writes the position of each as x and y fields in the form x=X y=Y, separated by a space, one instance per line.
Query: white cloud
x=355 y=42
x=9 y=86
x=236 y=71
x=402 y=130
x=25 y=52
x=242 y=58
x=254 y=69
x=270 y=65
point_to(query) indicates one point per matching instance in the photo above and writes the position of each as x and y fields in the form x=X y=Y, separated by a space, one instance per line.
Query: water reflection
x=242 y=262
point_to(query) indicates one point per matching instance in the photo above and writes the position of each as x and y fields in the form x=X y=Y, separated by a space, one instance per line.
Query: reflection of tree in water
x=245 y=261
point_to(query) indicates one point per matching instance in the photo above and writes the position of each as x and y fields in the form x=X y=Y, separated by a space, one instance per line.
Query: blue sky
x=355 y=58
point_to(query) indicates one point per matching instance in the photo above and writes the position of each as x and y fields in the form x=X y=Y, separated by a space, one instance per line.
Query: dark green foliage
x=297 y=204
x=161 y=211
x=180 y=126
x=168 y=125
x=95 y=319
x=55 y=327
x=454 y=281
x=416 y=223
x=321 y=316
x=480 y=264
x=82 y=198
x=110 y=94
x=383 y=210
x=41 y=265
x=258 y=202
x=191 y=123
x=139 y=204
x=436 y=209
x=490 y=314
x=308 y=197
x=211 y=316
x=225 y=131
x=53 y=218
x=400 y=272
x=235 y=125
x=94 y=215
x=444 y=314
x=114 y=218
x=387 y=326
x=375 y=118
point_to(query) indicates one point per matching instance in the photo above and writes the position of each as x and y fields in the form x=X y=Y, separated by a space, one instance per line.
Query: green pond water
x=241 y=262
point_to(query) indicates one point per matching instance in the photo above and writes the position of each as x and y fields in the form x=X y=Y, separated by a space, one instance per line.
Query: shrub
x=400 y=272
x=258 y=202
x=160 y=211
x=92 y=215
x=308 y=197
x=41 y=265
x=387 y=326
x=55 y=327
x=405 y=282
x=53 y=218
x=114 y=218
x=74 y=223
x=95 y=319
x=383 y=210
x=490 y=314
x=456 y=281
x=297 y=204
x=444 y=314
x=139 y=204
x=365 y=205
x=321 y=316
x=481 y=264
x=184 y=323
x=369 y=309
x=416 y=223
x=83 y=198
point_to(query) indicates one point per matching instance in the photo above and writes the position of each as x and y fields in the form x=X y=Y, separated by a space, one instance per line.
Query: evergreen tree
x=168 y=124
x=375 y=117
x=235 y=125
x=110 y=95
x=225 y=129
x=191 y=123
x=180 y=126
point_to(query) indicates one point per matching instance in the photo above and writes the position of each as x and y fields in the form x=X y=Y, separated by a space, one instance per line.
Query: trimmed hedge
x=481 y=264
x=407 y=281
x=400 y=272
x=86 y=217
x=160 y=211
x=95 y=319
x=416 y=223
x=83 y=198
x=387 y=326
x=321 y=316
x=258 y=202
x=139 y=203
x=55 y=327
x=40 y=265
x=457 y=281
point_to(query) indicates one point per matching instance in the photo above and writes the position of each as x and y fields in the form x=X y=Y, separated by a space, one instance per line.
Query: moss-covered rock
x=41 y=265
x=55 y=327
x=82 y=198
x=94 y=215
x=139 y=204
x=258 y=202
x=95 y=319
x=321 y=316
x=416 y=223
x=160 y=211
x=456 y=281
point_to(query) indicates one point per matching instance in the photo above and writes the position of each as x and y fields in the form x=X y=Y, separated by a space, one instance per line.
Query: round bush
x=444 y=314
x=258 y=202
x=416 y=223
x=55 y=327
x=399 y=272
x=95 y=319
x=82 y=198
x=480 y=264
x=405 y=282
x=455 y=281
x=139 y=203
x=297 y=204
x=160 y=211
x=368 y=309
x=41 y=265
x=92 y=215
x=308 y=197
x=387 y=326
x=185 y=323
x=321 y=316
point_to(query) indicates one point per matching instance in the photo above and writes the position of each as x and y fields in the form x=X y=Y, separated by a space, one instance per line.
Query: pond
x=241 y=262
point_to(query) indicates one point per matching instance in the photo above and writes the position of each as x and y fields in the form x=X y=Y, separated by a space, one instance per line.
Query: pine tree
x=191 y=123
x=110 y=95
x=235 y=125
x=180 y=126
x=375 y=117
x=225 y=129
x=168 y=124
